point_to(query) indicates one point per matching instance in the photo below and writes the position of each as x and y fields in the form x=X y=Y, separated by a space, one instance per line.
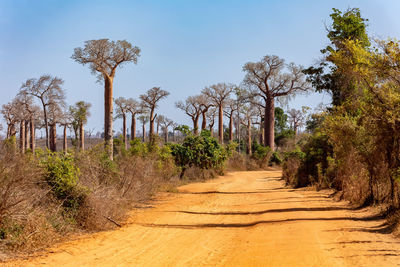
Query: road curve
x=241 y=219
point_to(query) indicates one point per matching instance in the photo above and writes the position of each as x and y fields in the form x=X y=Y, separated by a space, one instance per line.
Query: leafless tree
x=206 y=104
x=134 y=108
x=249 y=113
x=267 y=79
x=65 y=121
x=219 y=95
x=10 y=112
x=31 y=112
x=150 y=102
x=174 y=126
x=158 y=121
x=103 y=57
x=49 y=92
x=193 y=108
x=144 y=118
x=165 y=124
x=229 y=111
x=55 y=116
x=121 y=112
x=211 y=114
x=297 y=118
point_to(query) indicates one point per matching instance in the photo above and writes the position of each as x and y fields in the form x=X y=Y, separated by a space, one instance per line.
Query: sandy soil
x=241 y=219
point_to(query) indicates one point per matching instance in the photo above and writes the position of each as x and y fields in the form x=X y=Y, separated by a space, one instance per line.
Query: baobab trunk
x=152 y=118
x=269 y=123
x=53 y=138
x=166 y=136
x=65 y=144
x=26 y=146
x=144 y=132
x=220 y=125
x=81 y=137
x=108 y=115
x=204 y=122
x=133 y=127
x=22 y=136
x=231 y=128
x=32 y=133
x=124 y=131
x=249 y=150
x=196 y=125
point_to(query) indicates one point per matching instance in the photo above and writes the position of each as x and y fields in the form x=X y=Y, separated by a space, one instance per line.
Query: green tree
x=80 y=113
x=347 y=25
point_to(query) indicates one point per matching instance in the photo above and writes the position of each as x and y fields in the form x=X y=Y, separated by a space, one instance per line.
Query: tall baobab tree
x=192 y=107
x=267 y=79
x=219 y=95
x=49 y=92
x=103 y=57
x=144 y=118
x=134 y=108
x=121 y=112
x=80 y=113
x=55 y=115
x=150 y=102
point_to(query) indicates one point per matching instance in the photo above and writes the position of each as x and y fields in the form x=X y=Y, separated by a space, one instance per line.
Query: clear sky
x=186 y=44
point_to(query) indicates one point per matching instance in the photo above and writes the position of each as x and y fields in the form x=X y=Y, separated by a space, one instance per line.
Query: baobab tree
x=55 y=115
x=103 y=57
x=134 y=108
x=165 y=124
x=206 y=104
x=49 y=92
x=219 y=95
x=249 y=113
x=211 y=114
x=80 y=114
x=65 y=121
x=32 y=112
x=267 y=80
x=229 y=111
x=297 y=118
x=121 y=104
x=144 y=118
x=10 y=112
x=150 y=102
x=193 y=108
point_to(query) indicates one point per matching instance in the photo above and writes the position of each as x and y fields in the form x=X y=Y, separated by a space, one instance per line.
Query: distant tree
x=206 y=104
x=211 y=114
x=103 y=57
x=134 y=108
x=48 y=90
x=297 y=118
x=65 y=121
x=265 y=79
x=193 y=108
x=230 y=109
x=165 y=124
x=249 y=113
x=121 y=112
x=80 y=113
x=219 y=95
x=144 y=118
x=150 y=102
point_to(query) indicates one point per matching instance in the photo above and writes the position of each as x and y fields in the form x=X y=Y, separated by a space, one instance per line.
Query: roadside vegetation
x=353 y=145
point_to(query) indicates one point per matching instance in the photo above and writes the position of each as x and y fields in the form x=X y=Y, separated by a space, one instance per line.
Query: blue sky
x=186 y=45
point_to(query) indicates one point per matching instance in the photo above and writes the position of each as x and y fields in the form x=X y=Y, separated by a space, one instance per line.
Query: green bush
x=62 y=175
x=138 y=148
x=201 y=151
x=275 y=158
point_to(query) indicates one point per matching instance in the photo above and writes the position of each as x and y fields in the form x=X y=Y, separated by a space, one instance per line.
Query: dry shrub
x=290 y=171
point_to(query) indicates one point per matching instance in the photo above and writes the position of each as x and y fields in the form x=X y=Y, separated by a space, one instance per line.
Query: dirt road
x=241 y=219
